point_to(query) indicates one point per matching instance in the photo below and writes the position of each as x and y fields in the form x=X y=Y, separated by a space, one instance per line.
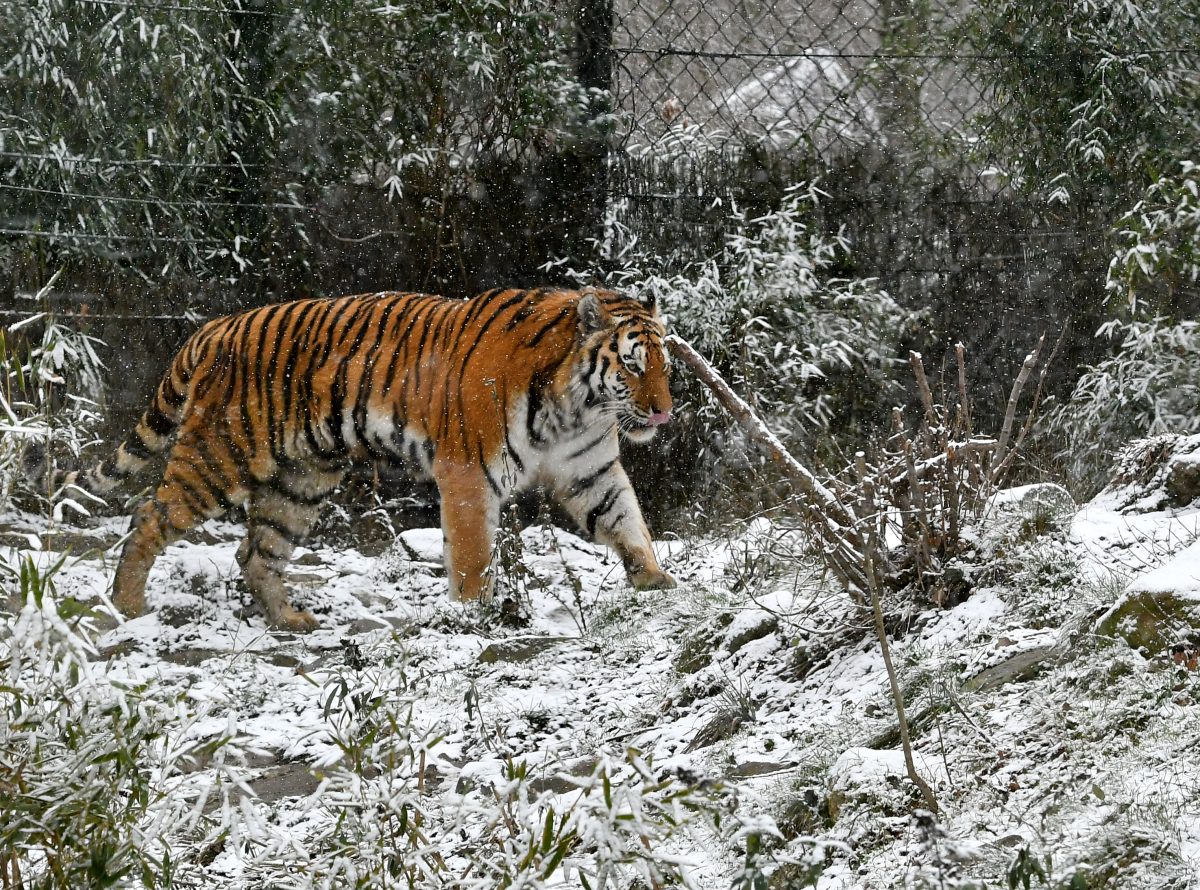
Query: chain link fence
x=730 y=100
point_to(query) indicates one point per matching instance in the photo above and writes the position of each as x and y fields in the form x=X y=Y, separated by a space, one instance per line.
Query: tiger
x=512 y=389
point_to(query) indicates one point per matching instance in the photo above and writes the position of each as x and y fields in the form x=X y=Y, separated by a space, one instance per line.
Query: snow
x=858 y=766
x=1179 y=575
x=1091 y=746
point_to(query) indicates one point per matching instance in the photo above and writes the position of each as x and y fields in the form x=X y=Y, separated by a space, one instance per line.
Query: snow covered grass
x=736 y=731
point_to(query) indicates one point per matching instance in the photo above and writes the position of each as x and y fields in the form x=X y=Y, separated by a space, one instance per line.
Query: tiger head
x=625 y=368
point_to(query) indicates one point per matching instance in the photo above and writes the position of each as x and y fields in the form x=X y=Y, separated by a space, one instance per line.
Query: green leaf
x=548 y=831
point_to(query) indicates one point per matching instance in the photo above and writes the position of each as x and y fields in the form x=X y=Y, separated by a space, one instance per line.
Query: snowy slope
x=1035 y=731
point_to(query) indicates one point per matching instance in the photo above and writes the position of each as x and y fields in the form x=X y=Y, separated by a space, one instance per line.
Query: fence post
x=595 y=72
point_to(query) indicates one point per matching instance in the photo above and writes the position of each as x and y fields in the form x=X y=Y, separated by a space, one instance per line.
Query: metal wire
x=179 y=7
x=153 y=202
x=96 y=236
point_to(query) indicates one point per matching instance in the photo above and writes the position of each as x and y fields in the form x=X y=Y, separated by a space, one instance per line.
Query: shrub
x=93 y=784
x=1148 y=386
x=49 y=388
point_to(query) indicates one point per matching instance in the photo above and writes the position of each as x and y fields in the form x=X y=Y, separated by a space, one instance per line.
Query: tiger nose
x=658 y=418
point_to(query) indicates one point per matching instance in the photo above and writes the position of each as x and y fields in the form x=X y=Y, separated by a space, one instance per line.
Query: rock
x=697 y=649
x=1153 y=621
x=192 y=657
x=1017 y=668
x=366 y=625
x=724 y=724
x=1183 y=479
x=557 y=782
x=1027 y=498
x=749 y=768
x=795 y=876
x=306 y=578
x=879 y=778
x=805 y=811
x=1155 y=473
x=181 y=612
x=747 y=627
x=1020 y=514
x=281 y=659
x=518 y=649
x=285 y=780
x=76 y=543
x=117 y=650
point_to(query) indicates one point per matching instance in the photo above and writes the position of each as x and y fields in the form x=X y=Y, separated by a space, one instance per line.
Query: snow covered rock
x=873 y=775
x=1160 y=609
x=1156 y=473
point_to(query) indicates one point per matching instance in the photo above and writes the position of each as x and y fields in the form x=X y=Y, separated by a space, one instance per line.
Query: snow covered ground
x=1045 y=737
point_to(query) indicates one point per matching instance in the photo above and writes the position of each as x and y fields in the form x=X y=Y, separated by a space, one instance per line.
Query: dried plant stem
x=964 y=403
x=897 y=697
x=917 y=495
x=856 y=557
x=918 y=366
x=1000 y=457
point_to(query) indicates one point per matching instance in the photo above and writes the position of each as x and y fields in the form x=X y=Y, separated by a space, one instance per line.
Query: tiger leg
x=277 y=520
x=603 y=503
x=193 y=489
x=470 y=517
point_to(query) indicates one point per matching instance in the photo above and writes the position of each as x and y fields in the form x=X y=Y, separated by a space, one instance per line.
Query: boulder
x=1153 y=621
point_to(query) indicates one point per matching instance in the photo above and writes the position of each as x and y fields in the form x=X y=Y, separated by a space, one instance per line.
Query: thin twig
x=918 y=366
x=897 y=697
x=1032 y=416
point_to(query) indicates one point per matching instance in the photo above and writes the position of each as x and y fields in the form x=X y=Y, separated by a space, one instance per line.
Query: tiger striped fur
x=488 y=396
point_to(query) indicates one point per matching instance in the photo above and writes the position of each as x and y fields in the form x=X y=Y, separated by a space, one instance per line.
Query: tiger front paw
x=652 y=579
x=294 y=621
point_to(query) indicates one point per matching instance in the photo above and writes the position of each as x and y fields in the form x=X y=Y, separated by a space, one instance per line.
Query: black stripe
x=136 y=448
x=580 y=452
x=479 y=303
x=164 y=518
x=369 y=362
x=415 y=310
x=533 y=404
x=549 y=326
x=249 y=363
x=159 y=423
x=420 y=349
x=581 y=485
x=169 y=394
x=194 y=496
x=275 y=525
x=487 y=473
x=213 y=482
x=295 y=348
x=610 y=498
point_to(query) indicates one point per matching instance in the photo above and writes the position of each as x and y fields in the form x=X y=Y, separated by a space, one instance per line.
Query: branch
x=1010 y=411
x=831 y=518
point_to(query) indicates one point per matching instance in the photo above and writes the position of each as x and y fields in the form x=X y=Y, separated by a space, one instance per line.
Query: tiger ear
x=592 y=316
x=649 y=299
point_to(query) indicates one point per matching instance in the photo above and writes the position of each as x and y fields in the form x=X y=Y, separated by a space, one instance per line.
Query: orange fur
x=269 y=407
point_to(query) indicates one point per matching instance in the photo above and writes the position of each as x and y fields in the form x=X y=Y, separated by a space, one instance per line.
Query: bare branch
x=832 y=520
x=1010 y=411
